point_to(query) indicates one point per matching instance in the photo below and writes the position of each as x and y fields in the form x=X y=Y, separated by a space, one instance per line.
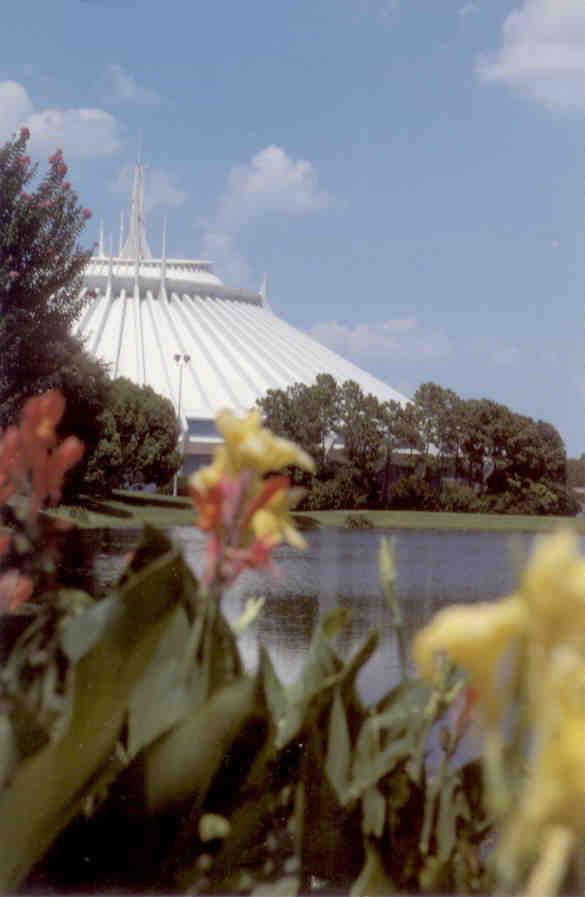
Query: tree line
x=439 y=452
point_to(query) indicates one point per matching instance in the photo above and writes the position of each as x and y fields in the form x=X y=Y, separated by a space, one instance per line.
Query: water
x=340 y=567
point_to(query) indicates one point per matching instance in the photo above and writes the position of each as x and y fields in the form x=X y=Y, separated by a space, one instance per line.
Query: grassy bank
x=133 y=509
x=128 y=510
x=435 y=520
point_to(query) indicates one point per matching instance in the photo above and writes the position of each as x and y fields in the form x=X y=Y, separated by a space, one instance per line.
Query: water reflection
x=340 y=566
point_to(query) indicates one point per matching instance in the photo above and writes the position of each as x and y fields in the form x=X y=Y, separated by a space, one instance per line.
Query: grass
x=436 y=520
x=129 y=511
x=133 y=509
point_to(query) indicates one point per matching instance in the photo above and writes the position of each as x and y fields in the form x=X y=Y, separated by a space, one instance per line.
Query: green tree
x=575 y=472
x=138 y=445
x=41 y=270
x=309 y=415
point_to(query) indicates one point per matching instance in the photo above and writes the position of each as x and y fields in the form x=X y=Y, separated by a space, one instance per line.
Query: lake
x=340 y=567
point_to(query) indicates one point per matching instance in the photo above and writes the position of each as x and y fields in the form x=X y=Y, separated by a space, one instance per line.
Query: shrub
x=457 y=497
x=413 y=493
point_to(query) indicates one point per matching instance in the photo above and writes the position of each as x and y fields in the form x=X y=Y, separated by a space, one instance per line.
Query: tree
x=576 y=472
x=41 y=269
x=138 y=445
x=309 y=415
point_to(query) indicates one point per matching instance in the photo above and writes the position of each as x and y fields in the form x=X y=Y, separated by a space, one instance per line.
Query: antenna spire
x=101 y=251
x=264 y=291
x=163 y=267
x=121 y=240
x=136 y=246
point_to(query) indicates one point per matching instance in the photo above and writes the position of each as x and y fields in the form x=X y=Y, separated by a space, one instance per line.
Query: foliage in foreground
x=137 y=753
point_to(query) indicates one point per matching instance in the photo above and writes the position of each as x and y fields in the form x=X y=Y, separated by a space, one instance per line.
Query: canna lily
x=245 y=514
x=475 y=637
x=272 y=521
x=249 y=445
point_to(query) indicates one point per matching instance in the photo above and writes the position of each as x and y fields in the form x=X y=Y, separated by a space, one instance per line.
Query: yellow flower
x=554 y=791
x=475 y=637
x=553 y=586
x=250 y=446
x=208 y=477
x=273 y=521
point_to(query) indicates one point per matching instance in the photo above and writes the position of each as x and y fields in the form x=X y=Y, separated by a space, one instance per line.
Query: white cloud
x=400 y=339
x=121 y=85
x=271 y=183
x=160 y=189
x=79 y=132
x=542 y=53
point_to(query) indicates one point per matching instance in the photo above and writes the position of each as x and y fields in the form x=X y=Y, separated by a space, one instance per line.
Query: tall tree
x=41 y=269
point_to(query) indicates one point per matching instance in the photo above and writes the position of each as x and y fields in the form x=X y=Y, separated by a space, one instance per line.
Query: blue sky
x=407 y=172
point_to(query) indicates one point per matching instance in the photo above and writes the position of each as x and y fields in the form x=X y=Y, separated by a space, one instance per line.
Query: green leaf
x=338 y=758
x=373 y=879
x=374 y=812
x=336 y=620
x=274 y=691
x=49 y=787
x=184 y=761
x=251 y=611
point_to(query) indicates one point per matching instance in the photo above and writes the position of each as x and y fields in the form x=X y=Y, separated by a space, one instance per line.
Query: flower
x=15 y=588
x=245 y=514
x=65 y=186
x=272 y=521
x=25 y=196
x=24 y=133
x=13 y=275
x=86 y=213
x=475 y=637
x=250 y=445
x=56 y=156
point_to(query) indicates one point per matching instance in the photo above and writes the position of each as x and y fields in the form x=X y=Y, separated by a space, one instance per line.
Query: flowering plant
x=137 y=753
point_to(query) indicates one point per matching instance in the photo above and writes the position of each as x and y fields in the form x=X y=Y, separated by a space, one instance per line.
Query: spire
x=110 y=267
x=136 y=246
x=101 y=251
x=264 y=291
x=163 y=267
x=121 y=240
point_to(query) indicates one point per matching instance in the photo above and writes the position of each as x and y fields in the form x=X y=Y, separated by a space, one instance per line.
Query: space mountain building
x=173 y=325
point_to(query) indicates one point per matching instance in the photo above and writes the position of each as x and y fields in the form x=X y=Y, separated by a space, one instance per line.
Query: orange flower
x=15 y=588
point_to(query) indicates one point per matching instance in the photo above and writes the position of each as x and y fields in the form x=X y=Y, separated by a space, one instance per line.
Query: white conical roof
x=146 y=311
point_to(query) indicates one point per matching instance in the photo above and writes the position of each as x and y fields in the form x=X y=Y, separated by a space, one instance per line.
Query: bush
x=542 y=498
x=138 y=442
x=458 y=498
x=413 y=493
x=335 y=494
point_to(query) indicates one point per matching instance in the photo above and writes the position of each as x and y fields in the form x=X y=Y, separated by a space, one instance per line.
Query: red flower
x=23 y=161
x=65 y=186
x=13 y=275
x=14 y=589
x=86 y=214
x=56 y=157
x=26 y=196
x=24 y=133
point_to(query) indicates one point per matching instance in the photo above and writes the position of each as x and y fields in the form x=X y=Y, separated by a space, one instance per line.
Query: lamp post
x=181 y=360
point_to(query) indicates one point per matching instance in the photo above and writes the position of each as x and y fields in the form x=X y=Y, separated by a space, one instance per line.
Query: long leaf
x=49 y=787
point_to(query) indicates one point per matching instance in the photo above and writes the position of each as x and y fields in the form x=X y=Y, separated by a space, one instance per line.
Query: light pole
x=181 y=360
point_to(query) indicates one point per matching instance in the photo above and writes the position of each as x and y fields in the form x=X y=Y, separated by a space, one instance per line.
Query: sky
x=407 y=173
